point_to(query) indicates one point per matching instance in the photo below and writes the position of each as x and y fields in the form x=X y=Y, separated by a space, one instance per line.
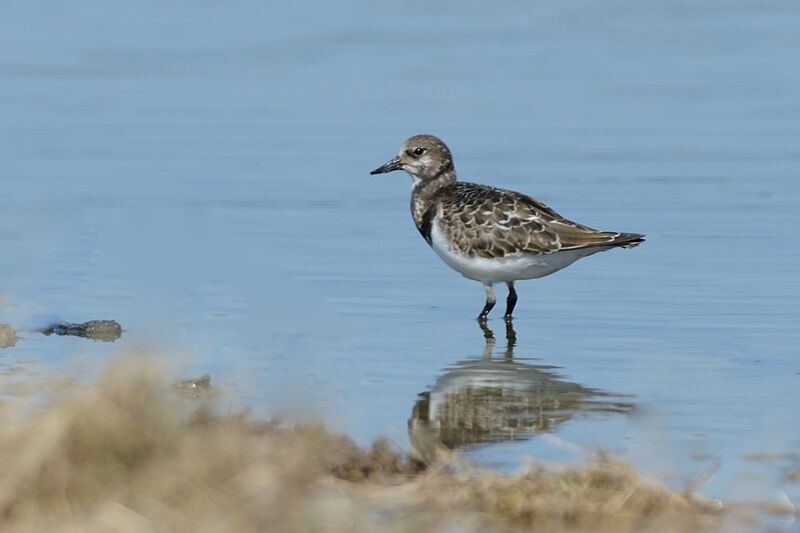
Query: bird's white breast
x=512 y=267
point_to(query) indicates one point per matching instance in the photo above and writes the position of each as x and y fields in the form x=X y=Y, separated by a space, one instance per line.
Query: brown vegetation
x=132 y=454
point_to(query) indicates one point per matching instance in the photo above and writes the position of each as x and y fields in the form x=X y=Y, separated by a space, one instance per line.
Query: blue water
x=199 y=172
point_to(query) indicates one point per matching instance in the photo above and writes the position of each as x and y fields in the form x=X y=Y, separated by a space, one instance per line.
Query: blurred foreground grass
x=132 y=454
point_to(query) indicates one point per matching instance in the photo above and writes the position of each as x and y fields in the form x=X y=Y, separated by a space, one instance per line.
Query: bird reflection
x=496 y=399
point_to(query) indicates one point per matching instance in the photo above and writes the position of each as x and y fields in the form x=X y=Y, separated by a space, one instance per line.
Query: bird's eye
x=419 y=151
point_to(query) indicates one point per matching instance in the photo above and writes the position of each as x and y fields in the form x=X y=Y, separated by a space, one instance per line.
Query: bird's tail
x=628 y=240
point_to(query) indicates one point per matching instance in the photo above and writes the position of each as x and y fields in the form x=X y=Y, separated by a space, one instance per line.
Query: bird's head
x=424 y=157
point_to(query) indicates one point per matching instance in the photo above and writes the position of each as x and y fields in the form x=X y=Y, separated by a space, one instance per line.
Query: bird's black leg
x=490 y=301
x=511 y=301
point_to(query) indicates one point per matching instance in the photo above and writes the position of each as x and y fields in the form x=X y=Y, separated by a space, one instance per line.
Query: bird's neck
x=424 y=193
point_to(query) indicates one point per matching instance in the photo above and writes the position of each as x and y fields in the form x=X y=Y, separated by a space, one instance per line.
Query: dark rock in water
x=8 y=337
x=203 y=382
x=195 y=387
x=98 y=330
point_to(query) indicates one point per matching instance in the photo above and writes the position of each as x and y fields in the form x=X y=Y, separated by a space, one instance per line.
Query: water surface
x=200 y=174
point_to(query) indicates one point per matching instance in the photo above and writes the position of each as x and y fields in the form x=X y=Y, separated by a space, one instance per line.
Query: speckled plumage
x=488 y=222
x=489 y=234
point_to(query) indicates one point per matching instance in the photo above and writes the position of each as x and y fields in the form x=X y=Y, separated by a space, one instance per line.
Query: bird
x=488 y=234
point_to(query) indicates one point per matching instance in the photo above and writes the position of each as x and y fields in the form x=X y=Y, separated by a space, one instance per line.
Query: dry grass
x=130 y=454
x=793 y=475
x=8 y=337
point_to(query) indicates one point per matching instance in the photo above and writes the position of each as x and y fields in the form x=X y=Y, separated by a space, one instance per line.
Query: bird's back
x=484 y=221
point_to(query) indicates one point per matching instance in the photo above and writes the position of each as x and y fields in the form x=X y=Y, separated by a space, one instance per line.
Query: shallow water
x=201 y=176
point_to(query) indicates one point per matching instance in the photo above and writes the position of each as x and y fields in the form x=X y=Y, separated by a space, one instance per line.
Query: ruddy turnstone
x=487 y=234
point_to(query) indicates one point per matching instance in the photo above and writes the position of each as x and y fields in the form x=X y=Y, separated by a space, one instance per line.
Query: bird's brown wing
x=489 y=222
